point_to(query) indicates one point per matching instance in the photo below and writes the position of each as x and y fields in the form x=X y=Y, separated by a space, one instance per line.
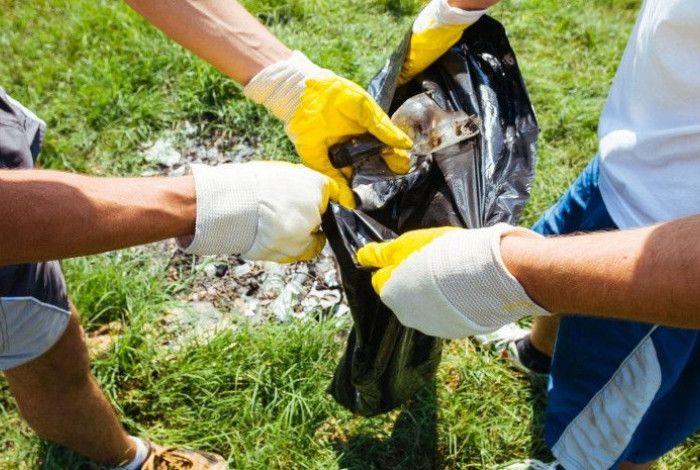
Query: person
x=261 y=210
x=623 y=390
x=229 y=209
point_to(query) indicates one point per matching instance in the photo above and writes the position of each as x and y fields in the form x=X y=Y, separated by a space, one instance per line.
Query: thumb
x=398 y=161
x=331 y=192
x=379 y=255
x=344 y=195
x=381 y=277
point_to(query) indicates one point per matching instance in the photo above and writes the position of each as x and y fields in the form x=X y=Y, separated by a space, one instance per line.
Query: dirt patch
x=223 y=287
x=260 y=290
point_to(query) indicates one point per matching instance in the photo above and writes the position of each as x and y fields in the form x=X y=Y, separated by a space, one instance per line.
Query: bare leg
x=544 y=333
x=59 y=397
x=635 y=466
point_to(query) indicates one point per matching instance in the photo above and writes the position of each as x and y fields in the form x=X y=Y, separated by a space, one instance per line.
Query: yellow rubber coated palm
x=330 y=111
x=387 y=256
x=427 y=46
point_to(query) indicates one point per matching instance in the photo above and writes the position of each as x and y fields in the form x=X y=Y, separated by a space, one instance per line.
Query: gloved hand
x=449 y=282
x=320 y=109
x=437 y=28
x=262 y=210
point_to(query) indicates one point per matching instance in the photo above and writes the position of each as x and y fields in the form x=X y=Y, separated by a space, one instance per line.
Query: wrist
x=226 y=218
x=471 y=4
x=279 y=86
x=522 y=253
x=439 y=13
x=180 y=197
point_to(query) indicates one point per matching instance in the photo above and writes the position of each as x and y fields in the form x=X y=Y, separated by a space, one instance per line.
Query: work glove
x=449 y=282
x=437 y=28
x=261 y=210
x=320 y=109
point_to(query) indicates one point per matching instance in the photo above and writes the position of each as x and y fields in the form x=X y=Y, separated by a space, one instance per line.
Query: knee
x=64 y=368
x=69 y=360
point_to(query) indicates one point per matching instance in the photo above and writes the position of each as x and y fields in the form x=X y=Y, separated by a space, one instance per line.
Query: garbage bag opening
x=471 y=176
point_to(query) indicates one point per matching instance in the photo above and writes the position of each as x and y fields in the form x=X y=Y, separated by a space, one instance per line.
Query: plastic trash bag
x=478 y=182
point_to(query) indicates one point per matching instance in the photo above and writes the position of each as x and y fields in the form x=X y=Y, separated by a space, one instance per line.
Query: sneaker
x=513 y=344
x=501 y=336
x=170 y=458
x=532 y=464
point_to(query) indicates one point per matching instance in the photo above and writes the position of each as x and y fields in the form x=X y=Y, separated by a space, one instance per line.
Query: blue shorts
x=34 y=310
x=618 y=390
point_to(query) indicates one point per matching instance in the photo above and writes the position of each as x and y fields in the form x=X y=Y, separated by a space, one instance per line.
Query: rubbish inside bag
x=474 y=133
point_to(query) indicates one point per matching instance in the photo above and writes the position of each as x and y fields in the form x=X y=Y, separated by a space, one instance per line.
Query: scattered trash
x=225 y=288
x=262 y=291
x=174 y=151
x=163 y=153
x=195 y=321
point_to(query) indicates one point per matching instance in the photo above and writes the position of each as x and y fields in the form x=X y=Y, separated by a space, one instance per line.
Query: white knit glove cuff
x=499 y=298
x=279 y=86
x=440 y=13
x=227 y=210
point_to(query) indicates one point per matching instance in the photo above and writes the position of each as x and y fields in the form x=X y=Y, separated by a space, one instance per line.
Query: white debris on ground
x=163 y=153
x=225 y=287
x=172 y=152
x=263 y=291
x=198 y=321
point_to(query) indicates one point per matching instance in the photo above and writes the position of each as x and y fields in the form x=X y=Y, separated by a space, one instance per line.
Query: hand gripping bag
x=480 y=181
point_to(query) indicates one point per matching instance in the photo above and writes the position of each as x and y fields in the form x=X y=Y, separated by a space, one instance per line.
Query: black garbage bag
x=478 y=182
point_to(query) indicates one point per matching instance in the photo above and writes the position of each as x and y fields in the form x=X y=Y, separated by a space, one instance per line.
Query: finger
x=378 y=123
x=371 y=255
x=316 y=157
x=398 y=161
x=339 y=191
x=379 y=255
x=346 y=197
x=331 y=192
x=381 y=277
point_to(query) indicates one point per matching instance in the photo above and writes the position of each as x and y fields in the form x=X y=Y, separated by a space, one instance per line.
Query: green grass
x=106 y=82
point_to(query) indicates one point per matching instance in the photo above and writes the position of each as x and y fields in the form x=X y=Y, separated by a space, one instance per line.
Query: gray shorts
x=34 y=310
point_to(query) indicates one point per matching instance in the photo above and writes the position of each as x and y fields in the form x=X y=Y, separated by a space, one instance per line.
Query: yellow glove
x=437 y=28
x=320 y=109
x=449 y=282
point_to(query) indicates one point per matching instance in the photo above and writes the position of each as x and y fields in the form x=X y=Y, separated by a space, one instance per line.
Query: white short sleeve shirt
x=649 y=132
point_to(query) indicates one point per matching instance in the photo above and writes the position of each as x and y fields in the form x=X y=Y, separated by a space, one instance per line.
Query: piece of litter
x=163 y=153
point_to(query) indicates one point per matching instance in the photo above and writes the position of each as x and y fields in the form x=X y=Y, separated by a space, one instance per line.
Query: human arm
x=472 y=4
x=224 y=34
x=51 y=215
x=650 y=274
x=454 y=282
x=318 y=108
x=262 y=210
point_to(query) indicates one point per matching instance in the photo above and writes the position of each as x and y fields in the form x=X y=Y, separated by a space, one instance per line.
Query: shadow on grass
x=412 y=443
x=56 y=457
x=538 y=402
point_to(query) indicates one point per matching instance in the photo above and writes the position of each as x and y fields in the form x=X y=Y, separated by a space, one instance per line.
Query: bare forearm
x=472 y=4
x=221 y=32
x=50 y=215
x=650 y=274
